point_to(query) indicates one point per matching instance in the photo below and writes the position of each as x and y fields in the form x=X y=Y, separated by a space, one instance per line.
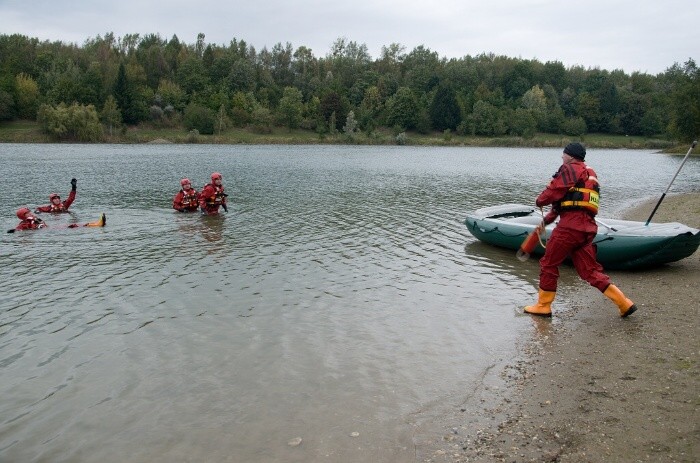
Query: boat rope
x=604 y=239
x=539 y=236
x=495 y=229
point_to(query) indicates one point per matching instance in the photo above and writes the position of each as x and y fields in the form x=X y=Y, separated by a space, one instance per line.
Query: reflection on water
x=341 y=294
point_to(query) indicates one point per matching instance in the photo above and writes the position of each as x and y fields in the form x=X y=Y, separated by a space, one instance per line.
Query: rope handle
x=542 y=226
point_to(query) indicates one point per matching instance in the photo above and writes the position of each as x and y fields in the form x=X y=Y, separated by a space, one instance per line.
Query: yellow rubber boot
x=99 y=223
x=625 y=305
x=543 y=308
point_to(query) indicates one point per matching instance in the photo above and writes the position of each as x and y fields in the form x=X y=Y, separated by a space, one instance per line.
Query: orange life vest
x=189 y=198
x=218 y=197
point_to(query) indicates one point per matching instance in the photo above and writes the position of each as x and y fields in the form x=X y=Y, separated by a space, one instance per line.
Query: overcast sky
x=632 y=35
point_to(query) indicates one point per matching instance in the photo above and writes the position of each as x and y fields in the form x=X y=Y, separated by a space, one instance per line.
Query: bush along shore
x=31 y=132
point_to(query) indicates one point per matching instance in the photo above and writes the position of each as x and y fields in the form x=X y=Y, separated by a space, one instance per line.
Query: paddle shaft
x=672 y=180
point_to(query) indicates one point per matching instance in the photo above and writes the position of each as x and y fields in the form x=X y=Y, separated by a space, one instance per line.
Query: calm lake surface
x=341 y=300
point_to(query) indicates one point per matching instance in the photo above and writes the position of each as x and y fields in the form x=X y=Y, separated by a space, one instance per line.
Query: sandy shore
x=590 y=386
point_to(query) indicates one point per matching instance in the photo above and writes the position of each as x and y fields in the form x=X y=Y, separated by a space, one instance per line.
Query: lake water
x=341 y=300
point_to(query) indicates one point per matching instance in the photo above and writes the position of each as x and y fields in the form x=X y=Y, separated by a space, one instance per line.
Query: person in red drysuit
x=28 y=221
x=573 y=193
x=187 y=199
x=212 y=196
x=55 y=200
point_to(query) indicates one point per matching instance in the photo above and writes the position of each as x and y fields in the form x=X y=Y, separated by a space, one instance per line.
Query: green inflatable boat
x=622 y=244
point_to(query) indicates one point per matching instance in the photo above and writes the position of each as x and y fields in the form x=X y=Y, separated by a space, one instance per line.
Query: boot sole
x=549 y=315
x=630 y=311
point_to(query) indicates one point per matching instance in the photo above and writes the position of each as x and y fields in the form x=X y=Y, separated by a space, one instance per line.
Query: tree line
x=109 y=83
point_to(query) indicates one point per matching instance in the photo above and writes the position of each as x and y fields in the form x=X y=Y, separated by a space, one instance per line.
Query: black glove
x=74 y=184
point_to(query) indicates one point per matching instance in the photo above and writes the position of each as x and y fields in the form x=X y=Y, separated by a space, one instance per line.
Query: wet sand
x=590 y=386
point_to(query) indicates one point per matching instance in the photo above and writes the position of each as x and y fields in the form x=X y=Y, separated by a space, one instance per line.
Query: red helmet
x=54 y=195
x=185 y=181
x=22 y=213
x=215 y=175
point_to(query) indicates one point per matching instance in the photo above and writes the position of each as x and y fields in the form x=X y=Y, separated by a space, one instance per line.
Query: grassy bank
x=30 y=132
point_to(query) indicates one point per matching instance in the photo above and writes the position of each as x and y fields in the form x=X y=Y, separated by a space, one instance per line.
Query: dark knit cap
x=575 y=150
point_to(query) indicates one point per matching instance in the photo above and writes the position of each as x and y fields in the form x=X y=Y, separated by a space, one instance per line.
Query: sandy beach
x=590 y=386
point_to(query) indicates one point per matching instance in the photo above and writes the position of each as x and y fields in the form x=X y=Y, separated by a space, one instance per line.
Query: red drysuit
x=186 y=200
x=211 y=197
x=574 y=234
x=61 y=207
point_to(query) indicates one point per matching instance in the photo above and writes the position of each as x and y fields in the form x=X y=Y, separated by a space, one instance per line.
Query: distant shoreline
x=30 y=132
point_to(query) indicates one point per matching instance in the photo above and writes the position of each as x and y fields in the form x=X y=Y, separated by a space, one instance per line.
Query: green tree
x=350 y=126
x=92 y=86
x=518 y=79
x=633 y=108
x=63 y=83
x=312 y=114
x=27 y=96
x=402 y=109
x=333 y=103
x=110 y=115
x=523 y=123
x=554 y=74
x=574 y=126
x=191 y=75
x=262 y=120
x=332 y=124
x=588 y=107
x=171 y=94
x=535 y=102
x=242 y=78
x=422 y=67
x=347 y=60
x=568 y=101
x=7 y=106
x=685 y=94
x=151 y=55
x=126 y=95
x=486 y=120
x=651 y=123
x=75 y=122
x=242 y=107
x=291 y=107
x=200 y=118
x=444 y=109
x=221 y=119
x=370 y=109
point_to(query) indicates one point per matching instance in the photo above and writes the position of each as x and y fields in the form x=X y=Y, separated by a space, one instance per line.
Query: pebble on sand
x=294 y=442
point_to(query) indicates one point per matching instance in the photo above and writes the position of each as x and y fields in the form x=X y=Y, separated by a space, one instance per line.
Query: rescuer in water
x=28 y=221
x=213 y=196
x=56 y=205
x=187 y=199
